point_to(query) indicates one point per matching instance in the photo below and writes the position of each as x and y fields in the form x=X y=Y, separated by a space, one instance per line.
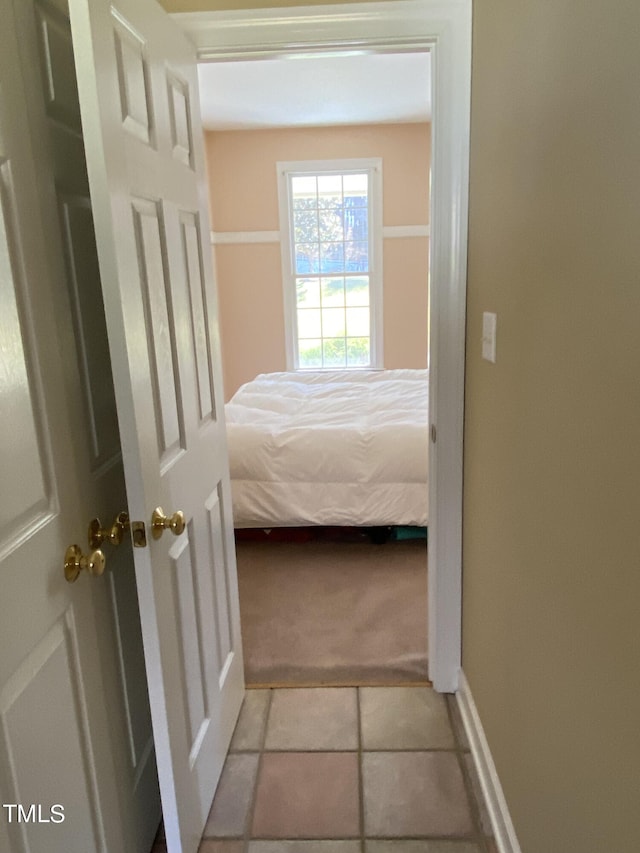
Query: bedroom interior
x=326 y=464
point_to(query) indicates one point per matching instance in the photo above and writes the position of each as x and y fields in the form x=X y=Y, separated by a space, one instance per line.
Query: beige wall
x=552 y=466
x=244 y=197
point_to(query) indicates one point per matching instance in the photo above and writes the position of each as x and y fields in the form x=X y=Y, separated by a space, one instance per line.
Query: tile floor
x=348 y=770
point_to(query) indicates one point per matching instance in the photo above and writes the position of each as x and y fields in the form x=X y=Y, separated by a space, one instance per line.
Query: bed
x=332 y=448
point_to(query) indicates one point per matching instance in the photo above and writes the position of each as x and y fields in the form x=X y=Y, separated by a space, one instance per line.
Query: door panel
x=71 y=665
x=226 y=642
x=140 y=113
x=123 y=613
x=56 y=58
x=186 y=594
x=133 y=80
x=192 y=254
x=151 y=251
x=83 y=278
x=43 y=698
x=179 y=115
x=28 y=459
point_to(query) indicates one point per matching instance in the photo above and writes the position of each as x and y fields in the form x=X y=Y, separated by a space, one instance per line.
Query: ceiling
x=310 y=90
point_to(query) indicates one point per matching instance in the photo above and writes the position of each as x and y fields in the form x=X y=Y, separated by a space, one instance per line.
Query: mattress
x=330 y=448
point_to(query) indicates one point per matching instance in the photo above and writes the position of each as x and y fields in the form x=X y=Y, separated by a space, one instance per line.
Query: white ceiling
x=308 y=91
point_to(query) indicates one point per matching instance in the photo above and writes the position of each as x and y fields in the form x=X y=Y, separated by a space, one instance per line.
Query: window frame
x=286 y=170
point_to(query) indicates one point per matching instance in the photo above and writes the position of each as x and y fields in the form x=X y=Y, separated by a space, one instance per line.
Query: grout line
x=309 y=749
x=252 y=805
x=344 y=751
x=453 y=838
x=360 y=772
x=266 y=721
x=315 y=840
x=287 y=685
x=476 y=836
x=414 y=749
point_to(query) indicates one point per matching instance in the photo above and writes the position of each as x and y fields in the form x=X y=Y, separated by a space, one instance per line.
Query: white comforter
x=332 y=448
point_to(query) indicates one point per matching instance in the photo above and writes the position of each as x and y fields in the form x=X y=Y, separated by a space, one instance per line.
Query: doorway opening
x=403 y=25
x=319 y=174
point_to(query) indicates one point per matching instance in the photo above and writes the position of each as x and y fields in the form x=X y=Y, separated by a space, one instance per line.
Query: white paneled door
x=144 y=145
x=77 y=767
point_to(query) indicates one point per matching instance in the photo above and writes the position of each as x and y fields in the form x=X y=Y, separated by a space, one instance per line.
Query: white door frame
x=444 y=28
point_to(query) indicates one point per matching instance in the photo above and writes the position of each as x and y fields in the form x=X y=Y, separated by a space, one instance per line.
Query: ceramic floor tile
x=294 y=846
x=219 y=845
x=307 y=795
x=404 y=718
x=249 y=732
x=420 y=846
x=408 y=794
x=230 y=809
x=313 y=719
x=458 y=725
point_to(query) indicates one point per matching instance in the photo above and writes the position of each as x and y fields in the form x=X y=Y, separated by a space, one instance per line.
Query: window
x=330 y=215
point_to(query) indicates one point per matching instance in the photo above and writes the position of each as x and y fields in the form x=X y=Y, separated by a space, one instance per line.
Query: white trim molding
x=503 y=829
x=299 y=30
x=226 y=237
x=389 y=232
x=392 y=231
x=442 y=27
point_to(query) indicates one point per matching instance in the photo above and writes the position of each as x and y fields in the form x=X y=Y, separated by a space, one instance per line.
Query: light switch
x=489 y=336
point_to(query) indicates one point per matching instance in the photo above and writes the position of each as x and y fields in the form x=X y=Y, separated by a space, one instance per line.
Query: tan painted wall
x=244 y=197
x=552 y=465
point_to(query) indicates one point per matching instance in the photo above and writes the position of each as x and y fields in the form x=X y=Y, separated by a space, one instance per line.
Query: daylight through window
x=330 y=240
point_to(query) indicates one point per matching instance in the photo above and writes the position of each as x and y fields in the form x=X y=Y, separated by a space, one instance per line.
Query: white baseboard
x=503 y=830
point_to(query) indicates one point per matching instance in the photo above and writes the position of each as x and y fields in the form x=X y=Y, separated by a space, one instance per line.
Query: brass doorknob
x=99 y=534
x=160 y=522
x=75 y=561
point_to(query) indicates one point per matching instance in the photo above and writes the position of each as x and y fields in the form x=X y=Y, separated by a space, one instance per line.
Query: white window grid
x=372 y=167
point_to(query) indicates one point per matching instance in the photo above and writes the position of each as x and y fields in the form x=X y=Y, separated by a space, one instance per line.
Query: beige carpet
x=325 y=612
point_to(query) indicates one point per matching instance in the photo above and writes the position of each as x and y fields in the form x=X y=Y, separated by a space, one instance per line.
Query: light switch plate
x=489 y=336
